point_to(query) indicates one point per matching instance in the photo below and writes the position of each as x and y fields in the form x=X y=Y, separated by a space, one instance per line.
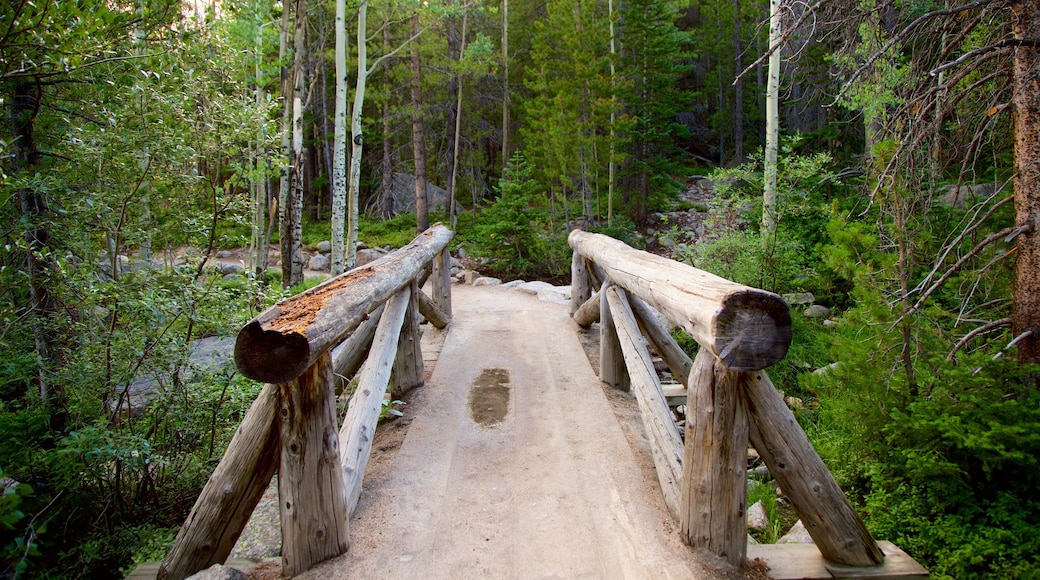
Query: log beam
x=358 y=431
x=611 y=359
x=440 y=290
x=431 y=311
x=679 y=363
x=231 y=494
x=285 y=340
x=747 y=328
x=407 y=373
x=828 y=516
x=588 y=312
x=348 y=356
x=666 y=444
x=581 y=289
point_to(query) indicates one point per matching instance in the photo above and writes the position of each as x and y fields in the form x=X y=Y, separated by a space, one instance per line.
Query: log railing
x=298 y=347
x=730 y=399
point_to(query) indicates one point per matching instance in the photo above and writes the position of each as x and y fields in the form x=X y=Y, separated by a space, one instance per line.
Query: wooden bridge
x=543 y=482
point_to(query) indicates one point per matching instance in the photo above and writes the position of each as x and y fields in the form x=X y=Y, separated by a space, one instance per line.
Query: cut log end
x=270 y=356
x=752 y=330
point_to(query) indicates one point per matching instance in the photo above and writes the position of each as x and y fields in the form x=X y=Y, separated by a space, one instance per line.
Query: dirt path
x=514 y=466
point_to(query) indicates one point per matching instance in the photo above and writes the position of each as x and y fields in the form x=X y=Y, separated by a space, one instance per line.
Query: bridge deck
x=551 y=490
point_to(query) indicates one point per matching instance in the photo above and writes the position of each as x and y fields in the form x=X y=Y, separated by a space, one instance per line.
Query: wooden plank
x=804 y=561
x=440 y=290
x=349 y=354
x=581 y=290
x=675 y=394
x=358 y=431
x=282 y=342
x=611 y=359
x=747 y=328
x=430 y=311
x=714 y=485
x=407 y=372
x=807 y=483
x=588 y=311
x=674 y=356
x=666 y=444
x=310 y=479
x=230 y=495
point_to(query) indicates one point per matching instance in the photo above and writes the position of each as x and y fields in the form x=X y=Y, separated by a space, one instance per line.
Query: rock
x=666 y=242
x=487 y=281
x=219 y=572
x=797 y=535
x=455 y=263
x=224 y=254
x=965 y=195
x=760 y=472
x=534 y=287
x=402 y=194
x=552 y=296
x=227 y=268
x=262 y=536
x=751 y=541
x=817 y=311
x=461 y=253
x=794 y=402
x=757 y=518
x=752 y=453
x=455 y=270
x=799 y=298
x=470 y=277
x=826 y=369
x=513 y=284
x=829 y=322
x=324 y=246
x=368 y=255
x=319 y=262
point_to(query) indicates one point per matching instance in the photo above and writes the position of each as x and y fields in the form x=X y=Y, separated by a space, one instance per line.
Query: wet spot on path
x=489 y=397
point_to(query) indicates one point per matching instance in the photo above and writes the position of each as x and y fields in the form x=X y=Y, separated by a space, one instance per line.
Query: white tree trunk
x=284 y=237
x=355 y=134
x=339 y=149
x=296 y=184
x=505 y=84
x=772 y=127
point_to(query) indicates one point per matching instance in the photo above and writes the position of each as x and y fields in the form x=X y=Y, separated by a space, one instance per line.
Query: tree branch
x=988 y=327
x=1007 y=42
x=957 y=266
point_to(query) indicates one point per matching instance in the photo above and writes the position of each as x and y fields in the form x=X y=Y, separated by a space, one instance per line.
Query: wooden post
x=232 y=492
x=677 y=360
x=286 y=339
x=828 y=516
x=581 y=290
x=441 y=285
x=588 y=312
x=310 y=480
x=666 y=445
x=408 y=365
x=355 y=438
x=713 y=515
x=611 y=360
x=748 y=329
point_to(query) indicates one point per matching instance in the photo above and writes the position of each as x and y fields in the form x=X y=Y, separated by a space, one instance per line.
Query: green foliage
x=395 y=232
x=515 y=234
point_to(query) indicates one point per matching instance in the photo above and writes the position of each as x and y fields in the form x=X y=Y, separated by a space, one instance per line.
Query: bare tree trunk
x=452 y=180
x=772 y=128
x=299 y=154
x=422 y=216
x=613 y=114
x=386 y=200
x=284 y=223
x=355 y=134
x=505 y=83
x=738 y=87
x=1026 y=302
x=339 y=155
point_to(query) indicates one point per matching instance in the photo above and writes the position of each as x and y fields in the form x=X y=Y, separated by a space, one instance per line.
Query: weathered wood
x=676 y=394
x=596 y=274
x=748 y=329
x=666 y=444
x=440 y=286
x=407 y=373
x=429 y=309
x=817 y=499
x=232 y=492
x=349 y=354
x=804 y=562
x=310 y=479
x=286 y=339
x=356 y=435
x=715 y=464
x=580 y=288
x=588 y=312
x=673 y=355
x=611 y=360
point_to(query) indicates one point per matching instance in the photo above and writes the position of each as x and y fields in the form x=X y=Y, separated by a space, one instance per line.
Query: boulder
x=229 y=268
x=513 y=284
x=960 y=197
x=368 y=255
x=324 y=246
x=796 y=535
x=817 y=311
x=224 y=254
x=553 y=297
x=402 y=194
x=534 y=287
x=757 y=518
x=487 y=281
x=319 y=263
x=219 y=572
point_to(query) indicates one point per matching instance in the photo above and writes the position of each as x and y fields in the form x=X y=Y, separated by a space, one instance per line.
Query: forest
x=882 y=155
